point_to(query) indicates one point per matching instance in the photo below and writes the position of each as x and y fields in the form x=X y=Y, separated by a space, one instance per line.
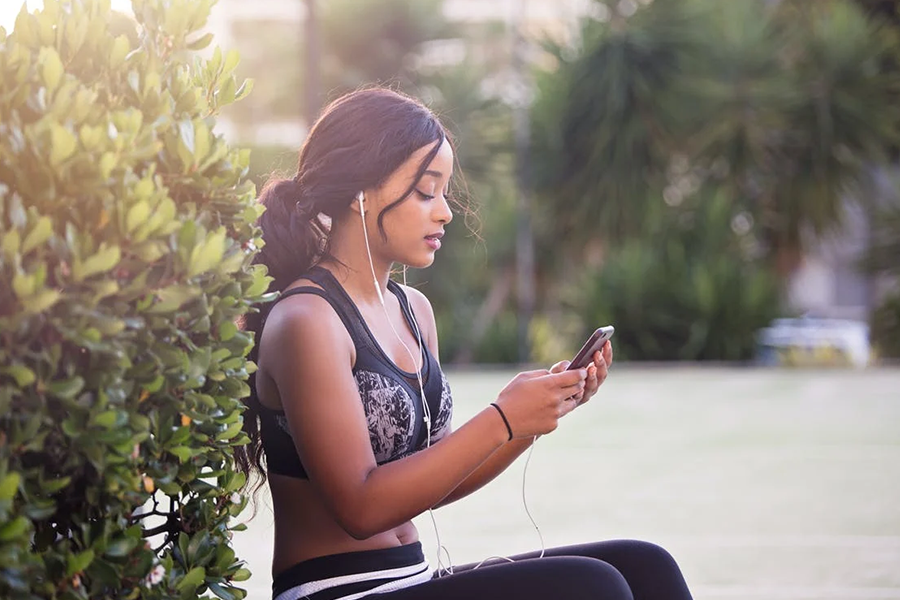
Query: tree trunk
x=313 y=66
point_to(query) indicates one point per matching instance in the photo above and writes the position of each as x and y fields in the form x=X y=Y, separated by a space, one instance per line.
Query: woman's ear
x=359 y=204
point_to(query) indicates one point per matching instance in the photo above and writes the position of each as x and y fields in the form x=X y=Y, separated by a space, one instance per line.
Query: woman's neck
x=350 y=264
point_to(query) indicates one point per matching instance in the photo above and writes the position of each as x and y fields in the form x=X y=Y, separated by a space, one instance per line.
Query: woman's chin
x=419 y=262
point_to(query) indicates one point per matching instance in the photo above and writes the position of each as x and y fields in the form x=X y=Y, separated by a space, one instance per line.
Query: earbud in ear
x=360 y=197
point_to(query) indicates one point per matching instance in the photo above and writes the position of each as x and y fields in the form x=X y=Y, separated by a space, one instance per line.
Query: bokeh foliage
x=774 y=113
x=641 y=118
x=791 y=98
x=127 y=229
x=690 y=291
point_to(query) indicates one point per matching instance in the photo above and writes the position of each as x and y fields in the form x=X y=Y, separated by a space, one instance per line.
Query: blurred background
x=687 y=170
x=720 y=180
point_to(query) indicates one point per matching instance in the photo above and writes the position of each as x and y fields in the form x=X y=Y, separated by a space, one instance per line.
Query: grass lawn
x=764 y=484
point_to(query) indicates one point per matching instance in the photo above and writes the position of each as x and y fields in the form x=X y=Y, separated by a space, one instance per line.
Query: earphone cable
x=419 y=364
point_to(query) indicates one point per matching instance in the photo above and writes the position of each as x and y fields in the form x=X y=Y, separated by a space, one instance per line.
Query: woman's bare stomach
x=305 y=529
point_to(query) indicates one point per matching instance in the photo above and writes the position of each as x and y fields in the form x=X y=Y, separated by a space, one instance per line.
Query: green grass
x=764 y=484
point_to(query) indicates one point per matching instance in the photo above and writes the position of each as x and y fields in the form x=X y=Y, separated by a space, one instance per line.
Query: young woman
x=351 y=410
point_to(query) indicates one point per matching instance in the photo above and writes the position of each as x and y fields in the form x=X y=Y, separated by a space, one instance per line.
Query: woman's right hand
x=534 y=401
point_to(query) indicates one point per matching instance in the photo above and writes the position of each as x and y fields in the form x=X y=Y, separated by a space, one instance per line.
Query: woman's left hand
x=598 y=370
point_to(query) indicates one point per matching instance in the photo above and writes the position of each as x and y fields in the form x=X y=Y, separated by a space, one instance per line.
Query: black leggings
x=613 y=570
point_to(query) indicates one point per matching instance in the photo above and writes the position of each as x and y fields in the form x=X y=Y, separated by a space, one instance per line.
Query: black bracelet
x=505 y=421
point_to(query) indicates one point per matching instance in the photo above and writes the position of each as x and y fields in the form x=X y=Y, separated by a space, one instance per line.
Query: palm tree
x=789 y=101
x=312 y=81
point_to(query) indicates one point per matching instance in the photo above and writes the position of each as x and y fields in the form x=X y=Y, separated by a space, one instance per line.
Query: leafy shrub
x=685 y=293
x=126 y=236
x=885 y=327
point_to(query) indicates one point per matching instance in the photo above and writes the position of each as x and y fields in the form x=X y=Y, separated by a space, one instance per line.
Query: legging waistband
x=353 y=575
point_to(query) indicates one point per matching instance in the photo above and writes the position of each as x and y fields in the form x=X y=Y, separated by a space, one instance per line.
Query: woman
x=352 y=452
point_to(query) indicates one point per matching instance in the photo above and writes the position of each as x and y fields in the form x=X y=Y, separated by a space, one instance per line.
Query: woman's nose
x=443 y=214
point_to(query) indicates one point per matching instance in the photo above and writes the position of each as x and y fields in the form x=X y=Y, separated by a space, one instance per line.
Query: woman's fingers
x=608 y=353
x=602 y=363
x=560 y=366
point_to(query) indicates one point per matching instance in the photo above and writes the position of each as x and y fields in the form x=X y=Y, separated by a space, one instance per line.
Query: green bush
x=126 y=236
x=884 y=324
x=687 y=292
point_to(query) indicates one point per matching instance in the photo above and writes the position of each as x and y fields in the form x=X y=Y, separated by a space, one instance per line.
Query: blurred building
x=829 y=282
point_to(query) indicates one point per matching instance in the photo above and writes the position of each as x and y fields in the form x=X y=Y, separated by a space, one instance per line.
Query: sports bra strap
x=358 y=335
x=395 y=288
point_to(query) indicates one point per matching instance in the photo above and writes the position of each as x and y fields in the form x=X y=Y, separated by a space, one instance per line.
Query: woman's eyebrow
x=433 y=173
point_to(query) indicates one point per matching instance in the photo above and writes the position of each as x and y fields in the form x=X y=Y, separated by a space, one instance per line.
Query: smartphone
x=594 y=343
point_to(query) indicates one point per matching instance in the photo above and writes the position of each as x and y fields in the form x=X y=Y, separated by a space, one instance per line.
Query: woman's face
x=415 y=226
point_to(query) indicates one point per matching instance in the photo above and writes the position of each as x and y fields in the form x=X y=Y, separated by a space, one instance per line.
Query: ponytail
x=295 y=239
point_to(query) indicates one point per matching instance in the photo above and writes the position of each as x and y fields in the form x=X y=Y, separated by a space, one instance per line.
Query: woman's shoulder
x=302 y=309
x=418 y=301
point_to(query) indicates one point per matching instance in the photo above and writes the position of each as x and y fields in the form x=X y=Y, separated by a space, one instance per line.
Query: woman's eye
x=424 y=195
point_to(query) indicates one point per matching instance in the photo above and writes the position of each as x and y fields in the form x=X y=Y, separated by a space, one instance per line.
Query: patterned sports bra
x=390 y=395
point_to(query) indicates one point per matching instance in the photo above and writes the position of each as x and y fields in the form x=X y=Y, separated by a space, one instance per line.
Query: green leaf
x=42 y=301
x=39 y=234
x=227 y=92
x=64 y=143
x=121 y=547
x=201 y=43
x=174 y=297
x=232 y=58
x=260 y=283
x=244 y=90
x=9 y=485
x=51 y=67
x=101 y=262
x=13 y=529
x=22 y=374
x=106 y=419
x=118 y=52
x=222 y=592
x=198 y=542
x=104 y=572
x=76 y=563
x=137 y=215
x=192 y=578
x=11 y=243
x=208 y=254
x=241 y=575
x=230 y=432
x=237 y=482
x=108 y=162
x=54 y=485
x=38 y=510
x=182 y=452
x=66 y=389
x=24 y=285
x=227 y=330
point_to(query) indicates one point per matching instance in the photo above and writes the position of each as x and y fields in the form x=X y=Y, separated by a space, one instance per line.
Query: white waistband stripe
x=403 y=577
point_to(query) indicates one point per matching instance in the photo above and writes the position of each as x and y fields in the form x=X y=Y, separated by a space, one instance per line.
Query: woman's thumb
x=560 y=366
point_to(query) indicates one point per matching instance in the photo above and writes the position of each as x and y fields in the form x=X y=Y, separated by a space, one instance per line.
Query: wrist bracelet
x=505 y=421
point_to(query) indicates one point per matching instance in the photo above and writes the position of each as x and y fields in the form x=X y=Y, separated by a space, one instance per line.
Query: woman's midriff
x=305 y=529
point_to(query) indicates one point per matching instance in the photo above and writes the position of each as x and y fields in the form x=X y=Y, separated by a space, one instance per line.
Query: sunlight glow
x=9 y=9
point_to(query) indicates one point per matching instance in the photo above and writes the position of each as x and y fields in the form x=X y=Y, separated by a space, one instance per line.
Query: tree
x=791 y=100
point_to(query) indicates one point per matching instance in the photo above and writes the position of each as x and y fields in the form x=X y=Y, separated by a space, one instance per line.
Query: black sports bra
x=390 y=395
